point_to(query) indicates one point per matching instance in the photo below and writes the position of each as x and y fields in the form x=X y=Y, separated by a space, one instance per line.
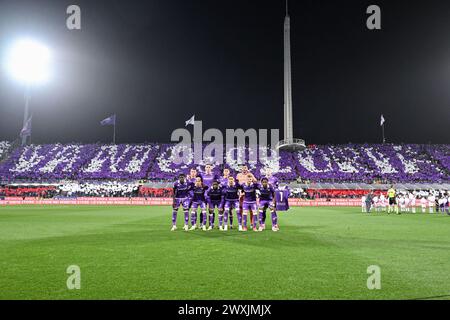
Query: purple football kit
x=282 y=198
x=266 y=200
x=181 y=198
x=215 y=200
x=223 y=181
x=198 y=201
x=243 y=198
x=208 y=179
x=191 y=179
x=192 y=182
x=231 y=201
x=249 y=203
x=266 y=196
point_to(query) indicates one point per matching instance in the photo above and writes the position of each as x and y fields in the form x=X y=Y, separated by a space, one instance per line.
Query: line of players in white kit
x=408 y=201
x=244 y=194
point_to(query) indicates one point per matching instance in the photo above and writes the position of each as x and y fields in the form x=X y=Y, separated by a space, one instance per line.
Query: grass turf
x=129 y=253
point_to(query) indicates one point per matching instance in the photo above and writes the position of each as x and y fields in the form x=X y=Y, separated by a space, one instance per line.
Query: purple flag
x=110 y=121
x=26 y=130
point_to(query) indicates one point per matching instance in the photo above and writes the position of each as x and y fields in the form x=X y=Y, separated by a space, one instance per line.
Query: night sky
x=155 y=63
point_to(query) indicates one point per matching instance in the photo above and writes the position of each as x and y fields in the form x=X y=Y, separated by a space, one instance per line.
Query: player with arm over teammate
x=243 y=175
x=267 y=201
x=215 y=200
x=231 y=193
x=241 y=180
x=181 y=190
x=198 y=201
x=249 y=204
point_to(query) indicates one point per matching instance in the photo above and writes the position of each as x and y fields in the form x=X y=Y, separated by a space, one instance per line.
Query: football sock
x=186 y=217
x=174 y=217
x=274 y=218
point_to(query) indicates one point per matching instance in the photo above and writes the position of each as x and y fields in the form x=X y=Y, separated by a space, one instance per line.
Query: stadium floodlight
x=28 y=61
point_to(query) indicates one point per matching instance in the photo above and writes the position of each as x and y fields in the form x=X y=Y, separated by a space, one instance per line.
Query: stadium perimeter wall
x=8 y=201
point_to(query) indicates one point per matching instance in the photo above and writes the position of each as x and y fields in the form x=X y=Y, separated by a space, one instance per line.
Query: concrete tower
x=288 y=131
x=289 y=142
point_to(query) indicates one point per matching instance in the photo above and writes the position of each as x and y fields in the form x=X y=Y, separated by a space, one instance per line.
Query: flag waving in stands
x=110 y=121
x=382 y=120
x=190 y=121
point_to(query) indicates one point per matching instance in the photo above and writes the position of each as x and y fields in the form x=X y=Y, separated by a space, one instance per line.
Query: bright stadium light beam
x=28 y=61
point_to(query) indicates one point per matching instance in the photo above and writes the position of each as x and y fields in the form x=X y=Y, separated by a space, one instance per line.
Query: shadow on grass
x=288 y=236
x=116 y=235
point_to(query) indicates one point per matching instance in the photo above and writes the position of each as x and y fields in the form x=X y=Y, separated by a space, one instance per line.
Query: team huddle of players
x=243 y=194
x=407 y=201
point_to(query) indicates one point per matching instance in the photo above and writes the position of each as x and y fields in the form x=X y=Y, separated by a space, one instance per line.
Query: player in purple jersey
x=181 y=190
x=224 y=178
x=249 y=204
x=223 y=182
x=208 y=176
x=241 y=178
x=267 y=200
x=198 y=196
x=192 y=175
x=215 y=200
x=231 y=194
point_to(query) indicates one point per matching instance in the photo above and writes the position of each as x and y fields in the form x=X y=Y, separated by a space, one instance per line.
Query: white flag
x=382 y=120
x=190 y=121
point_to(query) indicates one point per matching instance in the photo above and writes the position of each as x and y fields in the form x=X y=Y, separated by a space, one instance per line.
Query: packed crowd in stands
x=105 y=189
x=155 y=192
x=78 y=162
x=335 y=194
x=35 y=192
x=115 y=170
x=156 y=162
x=4 y=147
x=369 y=163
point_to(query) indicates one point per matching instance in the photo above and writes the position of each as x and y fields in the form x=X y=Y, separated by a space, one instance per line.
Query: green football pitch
x=130 y=253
